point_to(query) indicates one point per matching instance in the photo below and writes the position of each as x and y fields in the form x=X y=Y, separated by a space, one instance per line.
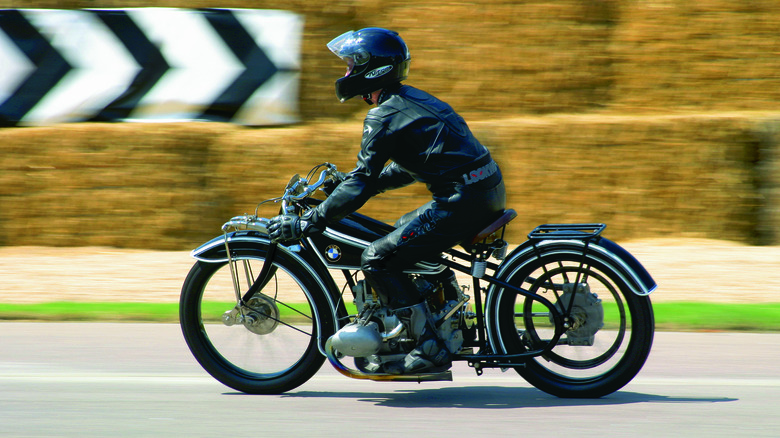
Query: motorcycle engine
x=370 y=307
x=382 y=337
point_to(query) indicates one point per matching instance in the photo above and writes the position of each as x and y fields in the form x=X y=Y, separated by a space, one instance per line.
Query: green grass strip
x=758 y=317
x=761 y=317
x=76 y=311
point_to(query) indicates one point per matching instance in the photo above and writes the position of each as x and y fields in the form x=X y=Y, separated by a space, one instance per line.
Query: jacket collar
x=388 y=92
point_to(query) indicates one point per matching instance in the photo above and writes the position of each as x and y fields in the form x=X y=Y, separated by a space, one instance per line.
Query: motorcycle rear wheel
x=611 y=335
x=273 y=347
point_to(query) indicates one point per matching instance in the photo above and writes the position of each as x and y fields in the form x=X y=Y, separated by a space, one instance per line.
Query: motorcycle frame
x=578 y=239
x=485 y=356
x=234 y=246
x=478 y=255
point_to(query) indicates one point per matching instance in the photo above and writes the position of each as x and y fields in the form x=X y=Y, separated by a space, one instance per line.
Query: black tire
x=282 y=352
x=588 y=361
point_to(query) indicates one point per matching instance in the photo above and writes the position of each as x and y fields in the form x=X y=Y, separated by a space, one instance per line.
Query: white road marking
x=188 y=379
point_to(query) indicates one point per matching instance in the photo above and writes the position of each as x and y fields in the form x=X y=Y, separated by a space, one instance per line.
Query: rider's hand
x=330 y=185
x=284 y=228
x=291 y=227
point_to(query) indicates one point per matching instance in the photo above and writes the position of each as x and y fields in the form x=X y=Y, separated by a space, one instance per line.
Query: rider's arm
x=393 y=177
x=363 y=182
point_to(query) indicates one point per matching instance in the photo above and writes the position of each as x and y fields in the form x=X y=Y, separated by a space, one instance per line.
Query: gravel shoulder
x=685 y=270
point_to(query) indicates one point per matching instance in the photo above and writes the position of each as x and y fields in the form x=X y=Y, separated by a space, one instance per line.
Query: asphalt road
x=112 y=380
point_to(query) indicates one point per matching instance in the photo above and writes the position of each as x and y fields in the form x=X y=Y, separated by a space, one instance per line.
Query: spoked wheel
x=609 y=335
x=268 y=345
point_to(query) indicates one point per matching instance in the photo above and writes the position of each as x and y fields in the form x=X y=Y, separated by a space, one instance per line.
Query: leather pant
x=423 y=234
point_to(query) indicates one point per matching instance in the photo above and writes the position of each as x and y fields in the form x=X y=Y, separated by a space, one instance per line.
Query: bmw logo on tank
x=333 y=253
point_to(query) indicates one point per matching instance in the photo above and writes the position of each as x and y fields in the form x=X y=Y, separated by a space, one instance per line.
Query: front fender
x=603 y=250
x=246 y=244
x=240 y=242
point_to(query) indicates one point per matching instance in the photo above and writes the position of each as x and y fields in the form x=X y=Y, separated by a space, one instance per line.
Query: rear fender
x=602 y=250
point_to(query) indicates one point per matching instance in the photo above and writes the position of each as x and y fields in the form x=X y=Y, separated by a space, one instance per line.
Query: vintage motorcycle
x=568 y=309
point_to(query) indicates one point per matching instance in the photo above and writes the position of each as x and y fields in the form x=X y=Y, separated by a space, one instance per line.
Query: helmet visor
x=348 y=46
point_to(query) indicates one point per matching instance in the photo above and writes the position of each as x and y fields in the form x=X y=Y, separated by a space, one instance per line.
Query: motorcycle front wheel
x=609 y=335
x=267 y=346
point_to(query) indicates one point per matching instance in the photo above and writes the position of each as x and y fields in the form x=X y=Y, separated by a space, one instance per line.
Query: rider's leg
x=402 y=296
x=448 y=281
x=430 y=355
x=395 y=289
x=422 y=235
x=384 y=262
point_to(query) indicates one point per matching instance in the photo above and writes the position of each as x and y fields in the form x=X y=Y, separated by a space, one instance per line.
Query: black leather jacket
x=425 y=140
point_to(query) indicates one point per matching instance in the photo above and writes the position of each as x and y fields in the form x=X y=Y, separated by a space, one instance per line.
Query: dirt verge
x=686 y=270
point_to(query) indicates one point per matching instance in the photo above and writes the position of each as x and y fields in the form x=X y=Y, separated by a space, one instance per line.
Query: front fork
x=245 y=311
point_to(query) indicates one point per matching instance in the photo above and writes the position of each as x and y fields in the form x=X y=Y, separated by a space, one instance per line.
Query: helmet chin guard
x=375 y=57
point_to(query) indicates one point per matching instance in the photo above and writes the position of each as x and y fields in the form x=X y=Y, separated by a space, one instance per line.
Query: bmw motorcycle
x=568 y=309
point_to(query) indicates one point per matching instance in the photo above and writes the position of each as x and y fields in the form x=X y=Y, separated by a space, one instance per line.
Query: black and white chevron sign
x=149 y=64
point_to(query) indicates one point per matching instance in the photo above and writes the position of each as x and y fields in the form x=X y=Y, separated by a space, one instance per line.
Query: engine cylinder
x=358 y=340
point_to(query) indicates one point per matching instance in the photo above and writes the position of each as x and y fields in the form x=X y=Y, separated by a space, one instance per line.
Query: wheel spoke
x=603 y=343
x=578 y=349
x=267 y=344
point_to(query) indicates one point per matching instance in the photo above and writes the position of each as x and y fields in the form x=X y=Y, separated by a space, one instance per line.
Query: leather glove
x=291 y=227
x=331 y=184
x=284 y=228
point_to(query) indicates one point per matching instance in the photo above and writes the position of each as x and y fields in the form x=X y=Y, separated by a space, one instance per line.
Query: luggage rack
x=566 y=231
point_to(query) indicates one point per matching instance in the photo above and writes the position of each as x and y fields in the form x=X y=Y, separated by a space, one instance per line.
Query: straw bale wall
x=171 y=186
x=656 y=117
x=110 y=185
x=720 y=55
x=499 y=57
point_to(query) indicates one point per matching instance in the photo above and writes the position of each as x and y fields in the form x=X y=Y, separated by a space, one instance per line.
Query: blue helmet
x=375 y=57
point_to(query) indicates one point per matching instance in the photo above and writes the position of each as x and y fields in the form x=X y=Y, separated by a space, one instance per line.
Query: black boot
x=396 y=290
x=449 y=282
x=430 y=355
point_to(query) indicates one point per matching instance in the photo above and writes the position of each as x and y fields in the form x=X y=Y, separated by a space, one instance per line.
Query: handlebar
x=296 y=190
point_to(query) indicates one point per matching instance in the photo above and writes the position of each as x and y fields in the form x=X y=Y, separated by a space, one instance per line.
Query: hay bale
x=644 y=177
x=767 y=135
x=483 y=56
x=704 y=55
x=709 y=171
x=490 y=57
x=257 y=164
x=171 y=187
x=99 y=184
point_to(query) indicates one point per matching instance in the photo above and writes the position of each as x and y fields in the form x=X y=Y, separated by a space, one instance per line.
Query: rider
x=425 y=141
